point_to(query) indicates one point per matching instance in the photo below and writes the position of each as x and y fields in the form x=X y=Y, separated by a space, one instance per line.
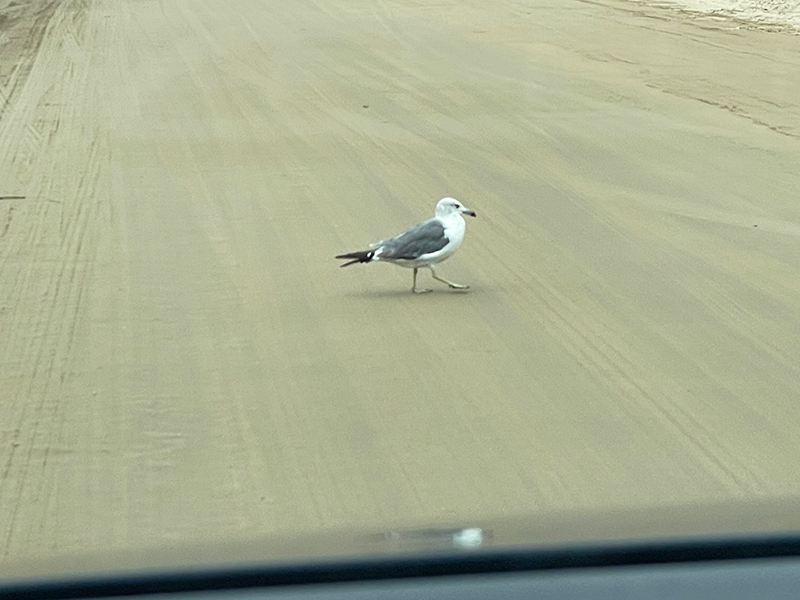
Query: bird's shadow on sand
x=406 y=293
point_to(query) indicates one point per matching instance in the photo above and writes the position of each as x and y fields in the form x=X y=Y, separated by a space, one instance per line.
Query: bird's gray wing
x=417 y=241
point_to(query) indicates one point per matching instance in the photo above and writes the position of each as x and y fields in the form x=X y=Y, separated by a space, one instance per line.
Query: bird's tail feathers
x=362 y=256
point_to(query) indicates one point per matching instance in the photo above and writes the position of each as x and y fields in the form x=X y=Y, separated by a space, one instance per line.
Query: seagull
x=422 y=245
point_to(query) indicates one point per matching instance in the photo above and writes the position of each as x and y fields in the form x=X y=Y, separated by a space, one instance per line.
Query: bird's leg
x=455 y=286
x=414 y=286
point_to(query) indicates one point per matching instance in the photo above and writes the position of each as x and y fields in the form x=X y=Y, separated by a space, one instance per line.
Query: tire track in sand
x=50 y=153
x=20 y=36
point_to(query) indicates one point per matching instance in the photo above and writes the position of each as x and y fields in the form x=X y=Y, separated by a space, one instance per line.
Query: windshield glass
x=616 y=337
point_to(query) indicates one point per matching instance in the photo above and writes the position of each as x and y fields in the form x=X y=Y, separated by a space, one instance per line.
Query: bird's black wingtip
x=363 y=256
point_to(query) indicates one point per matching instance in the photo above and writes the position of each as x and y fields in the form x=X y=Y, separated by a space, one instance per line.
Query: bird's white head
x=449 y=206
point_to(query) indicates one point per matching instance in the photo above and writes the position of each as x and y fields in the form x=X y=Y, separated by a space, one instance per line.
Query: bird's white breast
x=454 y=227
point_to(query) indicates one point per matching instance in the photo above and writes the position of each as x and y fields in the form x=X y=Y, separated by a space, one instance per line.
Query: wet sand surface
x=181 y=359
